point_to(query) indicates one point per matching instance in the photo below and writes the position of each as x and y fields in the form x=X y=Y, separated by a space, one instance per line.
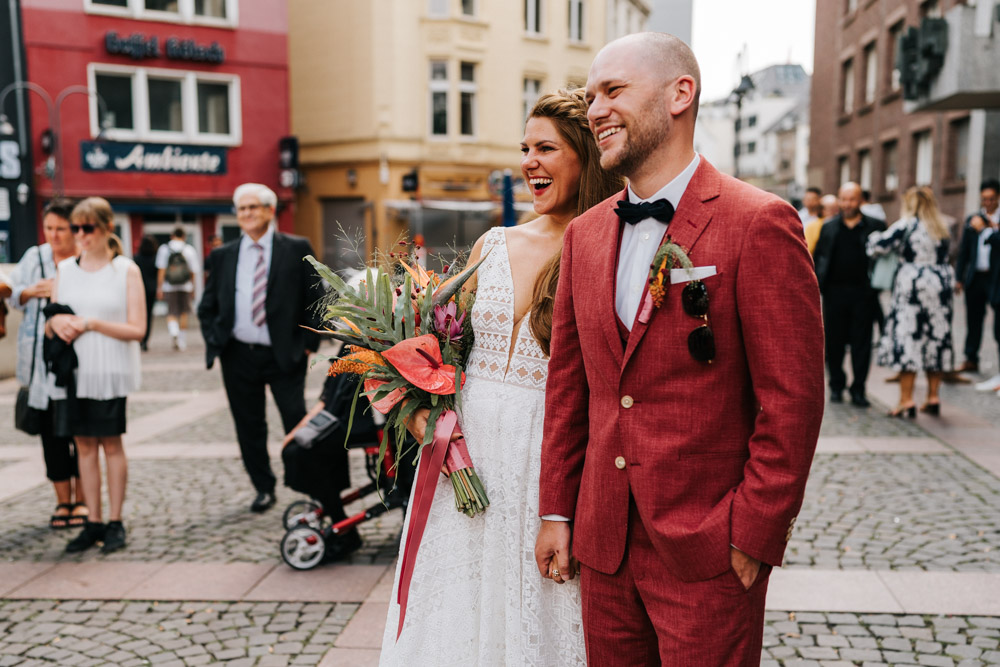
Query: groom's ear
x=683 y=95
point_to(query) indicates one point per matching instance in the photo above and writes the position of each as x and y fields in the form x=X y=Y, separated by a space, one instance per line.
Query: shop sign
x=156 y=158
x=139 y=47
x=10 y=160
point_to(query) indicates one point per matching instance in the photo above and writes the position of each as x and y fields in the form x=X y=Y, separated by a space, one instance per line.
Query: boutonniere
x=668 y=256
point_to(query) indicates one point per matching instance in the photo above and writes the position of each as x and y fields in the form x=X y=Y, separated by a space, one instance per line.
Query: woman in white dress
x=476 y=597
x=104 y=290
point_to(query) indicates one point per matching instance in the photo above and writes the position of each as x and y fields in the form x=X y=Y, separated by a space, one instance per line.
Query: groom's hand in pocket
x=746 y=567
x=552 y=553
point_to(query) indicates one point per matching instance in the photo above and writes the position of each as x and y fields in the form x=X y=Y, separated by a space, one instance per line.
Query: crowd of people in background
x=846 y=233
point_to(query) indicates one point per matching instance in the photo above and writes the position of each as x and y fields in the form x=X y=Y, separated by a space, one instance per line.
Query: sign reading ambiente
x=160 y=158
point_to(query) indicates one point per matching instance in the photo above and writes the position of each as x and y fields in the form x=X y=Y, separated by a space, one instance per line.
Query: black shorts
x=95 y=418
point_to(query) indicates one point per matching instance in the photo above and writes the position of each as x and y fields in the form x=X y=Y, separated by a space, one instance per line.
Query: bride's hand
x=417 y=426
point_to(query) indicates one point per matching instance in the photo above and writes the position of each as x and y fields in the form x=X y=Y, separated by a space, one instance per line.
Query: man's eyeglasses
x=701 y=341
x=86 y=228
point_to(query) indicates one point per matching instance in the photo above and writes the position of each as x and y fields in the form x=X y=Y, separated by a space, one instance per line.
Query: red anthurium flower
x=419 y=361
x=387 y=403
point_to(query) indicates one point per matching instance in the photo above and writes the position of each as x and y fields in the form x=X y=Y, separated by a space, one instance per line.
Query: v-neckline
x=515 y=325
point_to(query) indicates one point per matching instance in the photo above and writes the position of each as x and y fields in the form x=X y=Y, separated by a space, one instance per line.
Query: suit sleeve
x=208 y=308
x=312 y=287
x=964 y=256
x=564 y=442
x=779 y=310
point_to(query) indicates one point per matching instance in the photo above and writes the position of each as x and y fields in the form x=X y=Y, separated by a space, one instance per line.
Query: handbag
x=27 y=418
x=885 y=267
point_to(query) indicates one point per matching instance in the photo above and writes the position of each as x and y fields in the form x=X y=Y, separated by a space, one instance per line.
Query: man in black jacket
x=972 y=271
x=257 y=295
x=849 y=302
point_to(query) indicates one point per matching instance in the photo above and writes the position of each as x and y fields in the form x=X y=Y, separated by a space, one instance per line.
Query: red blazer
x=714 y=454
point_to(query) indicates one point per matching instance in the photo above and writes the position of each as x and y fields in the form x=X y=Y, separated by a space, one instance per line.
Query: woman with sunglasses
x=104 y=291
x=476 y=596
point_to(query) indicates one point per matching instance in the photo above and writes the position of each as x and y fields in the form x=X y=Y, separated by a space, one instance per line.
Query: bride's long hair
x=567 y=109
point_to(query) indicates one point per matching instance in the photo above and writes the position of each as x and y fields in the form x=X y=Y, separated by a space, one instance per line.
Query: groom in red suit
x=678 y=438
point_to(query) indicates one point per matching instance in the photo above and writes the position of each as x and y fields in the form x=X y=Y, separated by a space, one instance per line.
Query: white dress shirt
x=244 y=330
x=983 y=249
x=640 y=243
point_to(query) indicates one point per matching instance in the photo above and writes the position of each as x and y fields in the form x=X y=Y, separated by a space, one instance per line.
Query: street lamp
x=6 y=129
x=741 y=91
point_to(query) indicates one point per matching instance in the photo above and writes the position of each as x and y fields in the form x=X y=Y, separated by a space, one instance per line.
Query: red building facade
x=191 y=101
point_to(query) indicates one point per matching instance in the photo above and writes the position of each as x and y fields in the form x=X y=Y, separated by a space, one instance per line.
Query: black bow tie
x=661 y=209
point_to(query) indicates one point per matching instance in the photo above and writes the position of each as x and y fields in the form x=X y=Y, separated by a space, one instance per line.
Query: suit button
x=627 y=401
x=620 y=462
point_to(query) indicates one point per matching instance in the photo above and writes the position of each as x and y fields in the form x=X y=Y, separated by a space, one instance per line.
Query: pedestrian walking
x=145 y=259
x=850 y=305
x=31 y=284
x=917 y=333
x=258 y=293
x=98 y=307
x=975 y=274
x=178 y=270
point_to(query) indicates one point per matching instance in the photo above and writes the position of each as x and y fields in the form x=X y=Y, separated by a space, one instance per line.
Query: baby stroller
x=316 y=464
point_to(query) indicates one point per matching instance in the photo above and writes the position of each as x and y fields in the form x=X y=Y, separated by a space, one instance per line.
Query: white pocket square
x=694 y=273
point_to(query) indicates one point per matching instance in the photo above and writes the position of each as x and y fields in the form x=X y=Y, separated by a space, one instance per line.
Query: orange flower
x=358 y=362
x=419 y=361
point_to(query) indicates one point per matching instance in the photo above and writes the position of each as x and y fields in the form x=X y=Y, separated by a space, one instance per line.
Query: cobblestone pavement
x=843 y=419
x=184 y=510
x=174 y=634
x=873 y=640
x=906 y=512
x=11 y=436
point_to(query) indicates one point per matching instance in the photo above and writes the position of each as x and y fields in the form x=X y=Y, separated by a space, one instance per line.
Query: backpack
x=177 y=272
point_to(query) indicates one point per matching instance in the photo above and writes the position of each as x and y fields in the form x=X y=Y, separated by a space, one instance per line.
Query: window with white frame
x=843 y=170
x=178 y=11
x=848 y=86
x=533 y=16
x=576 y=20
x=865 y=169
x=871 y=72
x=467 y=90
x=923 y=167
x=890 y=166
x=439 y=98
x=895 y=33
x=468 y=7
x=149 y=104
x=532 y=91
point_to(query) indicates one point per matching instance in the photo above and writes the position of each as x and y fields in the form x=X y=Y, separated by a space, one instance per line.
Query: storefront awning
x=171 y=207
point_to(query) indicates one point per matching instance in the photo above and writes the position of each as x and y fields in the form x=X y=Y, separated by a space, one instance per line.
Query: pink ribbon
x=431 y=459
x=458 y=456
x=647 y=308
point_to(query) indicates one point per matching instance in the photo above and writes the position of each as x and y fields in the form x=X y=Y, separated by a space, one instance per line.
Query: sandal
x=76 y=519
x=60 y=521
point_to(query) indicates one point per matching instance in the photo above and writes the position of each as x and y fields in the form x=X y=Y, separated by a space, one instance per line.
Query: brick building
x=861 y=128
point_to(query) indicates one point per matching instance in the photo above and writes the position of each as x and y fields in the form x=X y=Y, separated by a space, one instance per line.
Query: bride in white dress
x=476 y=597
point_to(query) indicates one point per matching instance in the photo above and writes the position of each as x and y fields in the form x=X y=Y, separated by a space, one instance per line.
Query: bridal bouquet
x=409 y=338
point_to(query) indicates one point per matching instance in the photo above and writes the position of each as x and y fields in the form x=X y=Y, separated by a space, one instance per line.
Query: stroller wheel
x=302 y=513
x=303 y=548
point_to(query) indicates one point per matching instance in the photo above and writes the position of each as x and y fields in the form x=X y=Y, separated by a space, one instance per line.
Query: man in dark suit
x=258 y=293
x=850 y=305
x=972 y=270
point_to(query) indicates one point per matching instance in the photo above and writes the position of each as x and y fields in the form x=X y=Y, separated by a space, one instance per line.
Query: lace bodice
x=493 y=322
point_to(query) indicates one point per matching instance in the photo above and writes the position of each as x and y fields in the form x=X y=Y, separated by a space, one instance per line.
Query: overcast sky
x=774 y=32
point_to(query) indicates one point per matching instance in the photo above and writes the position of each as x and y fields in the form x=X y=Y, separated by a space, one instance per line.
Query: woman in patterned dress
x=917 y=334
x=476 y=597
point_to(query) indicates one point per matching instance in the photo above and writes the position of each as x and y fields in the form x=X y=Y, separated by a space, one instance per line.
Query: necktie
x=661 y=210
x=259 y=288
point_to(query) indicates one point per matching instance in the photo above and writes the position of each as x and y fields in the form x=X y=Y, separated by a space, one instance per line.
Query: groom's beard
x=642 y=137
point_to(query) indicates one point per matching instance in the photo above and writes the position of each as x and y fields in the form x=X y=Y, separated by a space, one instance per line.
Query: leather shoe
x=858 y=400
x=341 y=546
x=968 y=366
x=836 y=397
x=263 y=502
x=953 y=377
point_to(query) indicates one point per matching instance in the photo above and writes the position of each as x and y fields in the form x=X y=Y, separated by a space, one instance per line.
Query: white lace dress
x=476 y=597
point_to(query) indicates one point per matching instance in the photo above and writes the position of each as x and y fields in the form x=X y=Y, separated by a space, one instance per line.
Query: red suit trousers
x=643 y=615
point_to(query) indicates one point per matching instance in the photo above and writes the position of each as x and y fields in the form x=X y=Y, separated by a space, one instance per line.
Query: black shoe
x=836 y=396
x=114 y=537
x=339 y=547
x=858 y=400
x=263 y=502
x=91 y=534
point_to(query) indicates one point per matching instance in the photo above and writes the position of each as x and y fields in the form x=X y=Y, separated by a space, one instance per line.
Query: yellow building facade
x=391 y=94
